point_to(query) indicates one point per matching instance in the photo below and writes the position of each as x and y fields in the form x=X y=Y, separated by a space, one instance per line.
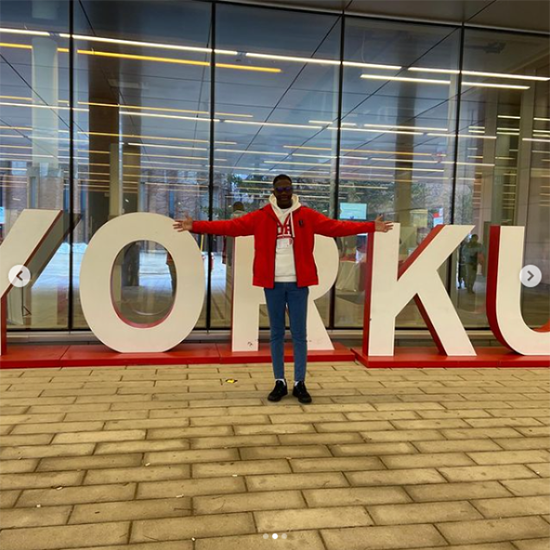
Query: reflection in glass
x=397 y=150
x=502 y=176
x=381 y=120
x=284 y=111
x=34 y=146
x=142 y=117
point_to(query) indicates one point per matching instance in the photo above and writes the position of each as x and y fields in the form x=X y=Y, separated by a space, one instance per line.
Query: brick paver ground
x=179 y=458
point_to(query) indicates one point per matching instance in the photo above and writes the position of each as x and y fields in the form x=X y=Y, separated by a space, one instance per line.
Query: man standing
x=284 y=236
x=474 y=254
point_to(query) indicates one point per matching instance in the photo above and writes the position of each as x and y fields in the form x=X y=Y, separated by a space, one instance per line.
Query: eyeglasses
x=283 y=189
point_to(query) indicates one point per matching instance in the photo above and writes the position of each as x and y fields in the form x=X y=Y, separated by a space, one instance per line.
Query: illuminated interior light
x=463 y=136
x=372 y=66
x=244 y=152
x=17 y=46
x=294 y=58
x=58 y=139
x=164 y=109
x=512 y=117
x=434 y=70
x=508 y=134
x=313 y=155
x=309 y=173
x=16 y=97
x=320 y=165
x=168 y=146
x=413 y=128
x=542 y=119
x=147 y=44
x=178 y=61
x=489 y=85
x=372 y=131
x=508 y=129
x=165 y=138
x=307 y=147
x=16 y=128
x=24 y=31
x=274 y=124
x=32 y=156
x=480 y=73
x=175 y=117
x=393 y=168
x=163 y=156
x=467 y=163
x=380 y=152
x=33 y=106
x=405 y=79
x=507 y=75
x=366 y=151
x=406 y=160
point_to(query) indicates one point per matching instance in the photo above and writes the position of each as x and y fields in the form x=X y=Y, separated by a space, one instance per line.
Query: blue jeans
x=277 y=299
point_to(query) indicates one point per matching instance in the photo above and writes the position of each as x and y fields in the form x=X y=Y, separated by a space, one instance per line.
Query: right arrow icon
x=530 y=276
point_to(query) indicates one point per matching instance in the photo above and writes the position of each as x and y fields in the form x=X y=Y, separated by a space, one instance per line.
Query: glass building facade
x=108 y=108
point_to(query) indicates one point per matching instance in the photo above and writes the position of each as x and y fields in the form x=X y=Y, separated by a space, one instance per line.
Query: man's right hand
x=183 y=225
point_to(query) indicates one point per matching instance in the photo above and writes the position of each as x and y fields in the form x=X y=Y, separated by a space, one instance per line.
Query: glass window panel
x=34 y=147
x=503 y=169
x=142 y=129
x=277 y=106
x=396 y=157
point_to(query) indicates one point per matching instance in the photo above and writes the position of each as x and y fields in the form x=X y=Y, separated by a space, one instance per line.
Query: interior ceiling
x=531 y=15
x=296 y=95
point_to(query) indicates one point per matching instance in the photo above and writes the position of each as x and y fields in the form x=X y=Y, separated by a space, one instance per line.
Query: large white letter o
x=96 y=284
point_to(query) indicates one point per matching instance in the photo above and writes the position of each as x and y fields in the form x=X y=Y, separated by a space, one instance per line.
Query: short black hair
x=281 y=177
x=238 y=205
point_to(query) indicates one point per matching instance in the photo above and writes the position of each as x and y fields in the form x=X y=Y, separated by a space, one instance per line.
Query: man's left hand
x=381 y=225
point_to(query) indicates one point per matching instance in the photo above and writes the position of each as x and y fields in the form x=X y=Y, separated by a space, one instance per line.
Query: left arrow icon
x=19 y=276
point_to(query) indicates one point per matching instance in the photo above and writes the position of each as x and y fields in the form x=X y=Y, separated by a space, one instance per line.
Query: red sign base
x=339 y=354
x=423 y=357
x=37 y=356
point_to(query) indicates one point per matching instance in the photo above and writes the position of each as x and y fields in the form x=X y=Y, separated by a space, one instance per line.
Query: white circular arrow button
x=530 y=276
x=19 y=276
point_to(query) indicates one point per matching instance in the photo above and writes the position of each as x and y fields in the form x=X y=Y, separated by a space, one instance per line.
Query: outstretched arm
x=238 y=227
x=336 y=228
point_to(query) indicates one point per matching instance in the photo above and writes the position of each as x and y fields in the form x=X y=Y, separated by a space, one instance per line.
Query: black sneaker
x=301 y=393
x=279 y=391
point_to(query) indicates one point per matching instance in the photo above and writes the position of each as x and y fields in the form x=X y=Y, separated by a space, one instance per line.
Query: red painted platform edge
x=263 y=355
x=102 y=356
x=430 y=358
x=32 y=356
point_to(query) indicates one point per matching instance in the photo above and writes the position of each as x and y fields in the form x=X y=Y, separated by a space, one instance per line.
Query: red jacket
x=263 y=225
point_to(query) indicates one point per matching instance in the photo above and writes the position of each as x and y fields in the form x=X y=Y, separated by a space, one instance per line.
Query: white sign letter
x=504 y=294
x=96 y=288
x=21 y=244
x=389 y=289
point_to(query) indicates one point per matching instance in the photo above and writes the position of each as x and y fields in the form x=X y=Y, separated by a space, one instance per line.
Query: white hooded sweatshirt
x=285 y=269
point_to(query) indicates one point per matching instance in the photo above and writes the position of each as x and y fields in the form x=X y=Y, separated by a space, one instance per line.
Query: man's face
x=283 y=193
